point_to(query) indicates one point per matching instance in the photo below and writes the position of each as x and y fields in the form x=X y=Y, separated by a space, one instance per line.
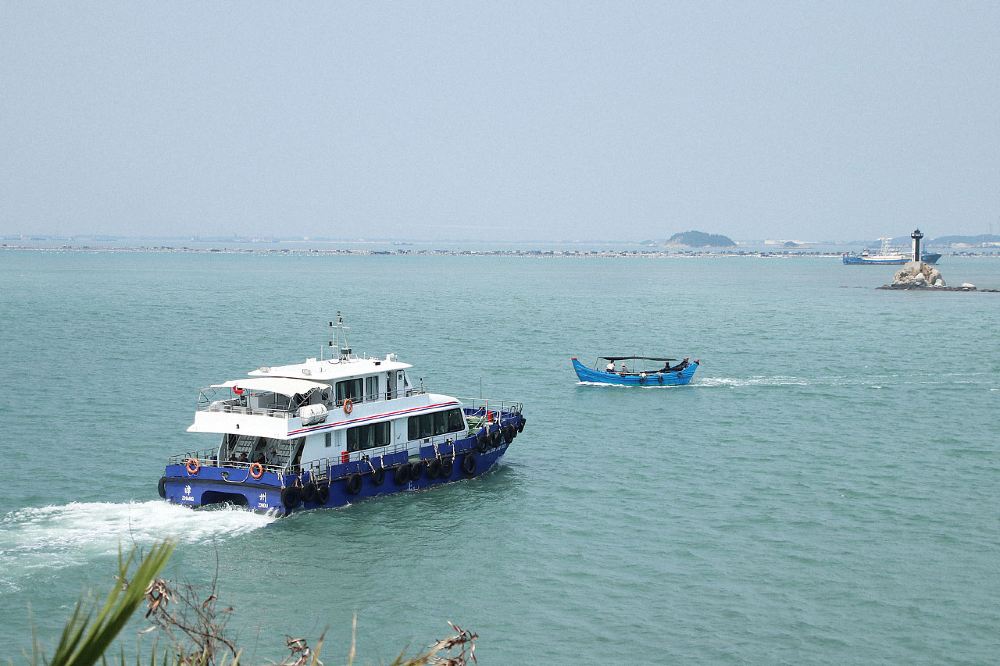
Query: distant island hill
x=699 y=239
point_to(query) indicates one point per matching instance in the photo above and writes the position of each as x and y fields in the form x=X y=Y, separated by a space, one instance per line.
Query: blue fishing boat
x=630 y=375
x=329 y=432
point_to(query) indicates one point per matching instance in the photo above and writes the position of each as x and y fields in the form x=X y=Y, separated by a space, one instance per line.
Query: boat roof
x=282 y=385
x=328 y=370
x=637 y=358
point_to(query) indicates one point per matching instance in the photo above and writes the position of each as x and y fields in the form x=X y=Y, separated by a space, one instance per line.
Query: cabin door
x=400 y=383
x=390 y=382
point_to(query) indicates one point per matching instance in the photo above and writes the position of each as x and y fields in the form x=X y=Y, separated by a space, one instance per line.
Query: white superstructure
x=339 y=409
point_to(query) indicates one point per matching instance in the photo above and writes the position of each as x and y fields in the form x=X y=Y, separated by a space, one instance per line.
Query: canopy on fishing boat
x=636 y=358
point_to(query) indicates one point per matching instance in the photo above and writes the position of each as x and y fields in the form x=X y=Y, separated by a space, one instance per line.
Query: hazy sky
x=521 y=121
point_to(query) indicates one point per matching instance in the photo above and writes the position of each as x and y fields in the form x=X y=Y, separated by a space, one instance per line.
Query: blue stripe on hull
x=681 y=378
x=209 y=487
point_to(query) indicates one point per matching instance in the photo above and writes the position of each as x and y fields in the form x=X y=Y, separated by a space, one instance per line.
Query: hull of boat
x=342 y=484
x=652 y=379
x=854 y=260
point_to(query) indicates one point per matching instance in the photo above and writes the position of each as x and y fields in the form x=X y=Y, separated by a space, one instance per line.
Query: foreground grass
x=192 y=628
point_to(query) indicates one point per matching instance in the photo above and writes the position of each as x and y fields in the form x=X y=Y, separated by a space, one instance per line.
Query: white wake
x=69 y=534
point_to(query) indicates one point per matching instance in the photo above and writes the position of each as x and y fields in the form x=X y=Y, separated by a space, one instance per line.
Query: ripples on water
x=824 y=491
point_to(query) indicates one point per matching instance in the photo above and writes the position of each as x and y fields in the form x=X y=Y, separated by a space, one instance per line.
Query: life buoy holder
x=192 y=466
x=256 y=470
x=348 y=406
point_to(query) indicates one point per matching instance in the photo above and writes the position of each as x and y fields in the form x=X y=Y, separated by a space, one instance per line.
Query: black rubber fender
x=469 y=464
x=309 y=492
x=416 y=471
x=353 y=484
x=434 y=469
x=378 y=476
x=323 y=493
x=401 y=475
x=161 y=487
x=520 y=425
x=447 y=465
x=482 y=436
x=508 y=434
x=291 y=497
x=495 y=437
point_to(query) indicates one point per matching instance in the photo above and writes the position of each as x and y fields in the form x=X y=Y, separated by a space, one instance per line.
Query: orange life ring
x=192 y=466
x=256 y=470
x=348 y=406
x=237 y=390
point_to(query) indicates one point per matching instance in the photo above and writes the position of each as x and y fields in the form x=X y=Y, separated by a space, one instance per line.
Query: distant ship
x=887 y=256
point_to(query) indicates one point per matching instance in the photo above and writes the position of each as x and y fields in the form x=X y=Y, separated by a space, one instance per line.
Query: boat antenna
x=338 y=338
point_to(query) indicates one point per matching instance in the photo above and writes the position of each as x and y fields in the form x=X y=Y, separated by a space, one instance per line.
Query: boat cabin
x=324 y=412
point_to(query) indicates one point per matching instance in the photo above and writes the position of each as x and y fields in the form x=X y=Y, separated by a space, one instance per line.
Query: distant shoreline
x=407 y=252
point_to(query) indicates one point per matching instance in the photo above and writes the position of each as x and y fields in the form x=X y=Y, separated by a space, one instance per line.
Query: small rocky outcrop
x=917 y=274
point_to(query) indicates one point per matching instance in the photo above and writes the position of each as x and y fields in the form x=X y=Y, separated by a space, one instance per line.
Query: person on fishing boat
x=624 y=369
x=610 y=367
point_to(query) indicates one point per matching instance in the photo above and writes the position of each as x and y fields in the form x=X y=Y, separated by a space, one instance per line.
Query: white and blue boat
x=886 y=255
x=628 y=374
x=329 y=432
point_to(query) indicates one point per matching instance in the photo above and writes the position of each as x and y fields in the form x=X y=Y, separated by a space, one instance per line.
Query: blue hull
x=342 y=484
x=678 y=378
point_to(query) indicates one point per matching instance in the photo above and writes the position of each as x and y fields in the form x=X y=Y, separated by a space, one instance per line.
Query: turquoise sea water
x=826 y=490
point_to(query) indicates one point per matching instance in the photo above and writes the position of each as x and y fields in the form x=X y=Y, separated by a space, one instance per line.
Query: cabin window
x=438 y=423
x=368 y=436
x=371 y=387
x=329 y=440
x=455 y=422
x=426 y=425
x=349 y=388
x=241 y=447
